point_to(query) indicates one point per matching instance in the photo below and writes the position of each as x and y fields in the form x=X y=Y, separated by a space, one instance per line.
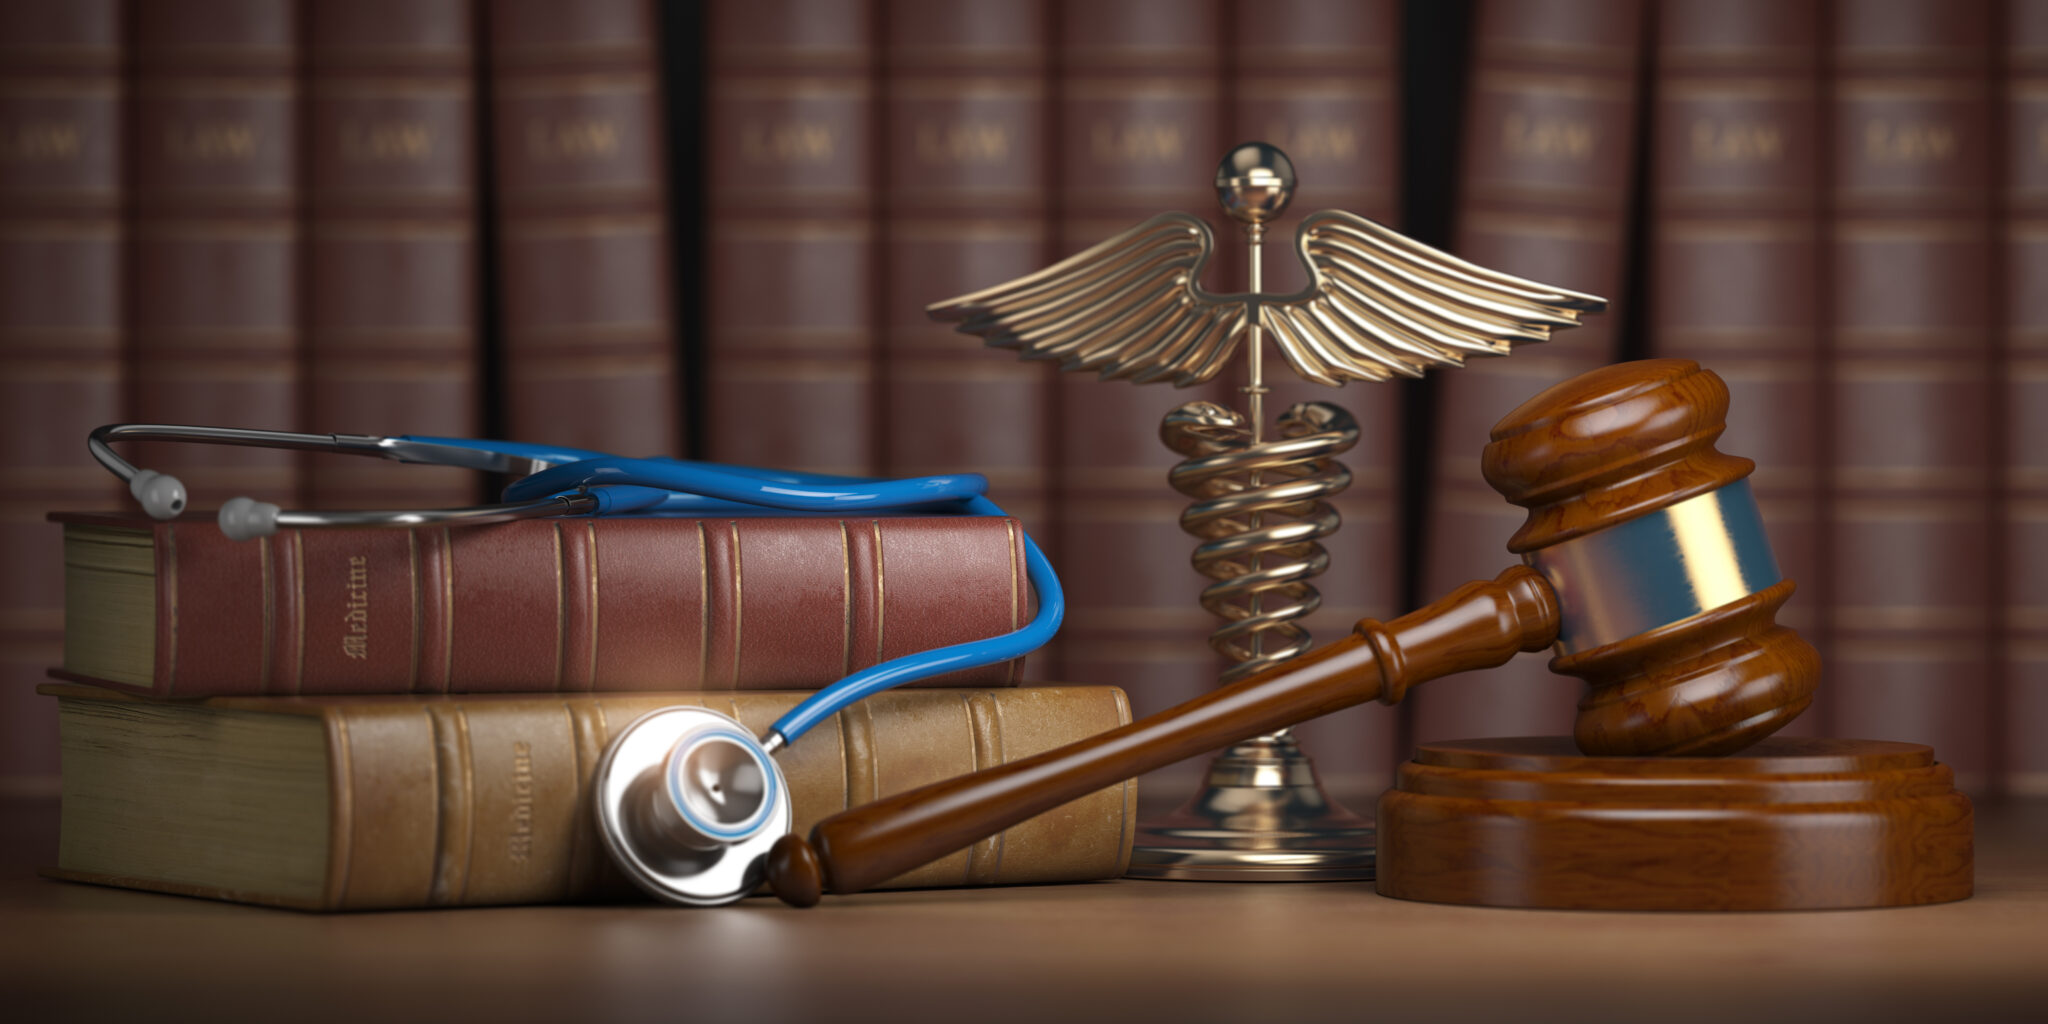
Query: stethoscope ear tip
x=247 y=518
x=161 y=495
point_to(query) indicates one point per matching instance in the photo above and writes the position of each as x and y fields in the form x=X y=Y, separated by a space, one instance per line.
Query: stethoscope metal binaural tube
x=688 y=799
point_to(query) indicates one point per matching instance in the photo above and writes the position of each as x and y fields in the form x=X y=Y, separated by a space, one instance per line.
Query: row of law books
x=366 y=216
x=362 y=718
x=1835 y=205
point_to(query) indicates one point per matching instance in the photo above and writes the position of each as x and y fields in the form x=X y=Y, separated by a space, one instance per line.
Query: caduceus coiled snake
x=1259 y=511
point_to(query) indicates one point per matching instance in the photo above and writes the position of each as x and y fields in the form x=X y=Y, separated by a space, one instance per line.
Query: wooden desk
x=1134 y=950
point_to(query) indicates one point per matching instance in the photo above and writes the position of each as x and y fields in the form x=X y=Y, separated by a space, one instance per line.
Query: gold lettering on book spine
x=965 y=142
x=1908 y=142
x=1324 y=140
x=40 y=142
x=801 y=142
x=1717 y=141
x=557 y=141
x=210 y=141
x=384 y=142
x=355 y=617
x=1547 y=138
x=1141 y=142
x=519 y=845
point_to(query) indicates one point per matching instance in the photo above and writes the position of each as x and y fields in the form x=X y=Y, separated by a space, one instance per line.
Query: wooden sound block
x=1791 y=824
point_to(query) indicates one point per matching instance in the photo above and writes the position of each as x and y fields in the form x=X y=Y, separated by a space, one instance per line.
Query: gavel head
x=1667 y=591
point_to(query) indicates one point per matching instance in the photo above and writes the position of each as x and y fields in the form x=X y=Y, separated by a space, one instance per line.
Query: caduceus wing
x=1128 y=308
x=1381 y=304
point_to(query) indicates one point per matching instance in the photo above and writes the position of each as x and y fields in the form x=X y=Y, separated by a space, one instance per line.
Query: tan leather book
x=362 y=803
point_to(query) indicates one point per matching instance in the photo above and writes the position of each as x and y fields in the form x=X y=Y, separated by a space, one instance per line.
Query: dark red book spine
x=1545 y=190
x=2024 y=371
x=1319 y=79
x=790 y=149
x=562 y=605
x=215 y=257
x=1139 y=97
x=1910 y=386
x=391 y=315
x=580 y=200
x=964 y=192
x=1735 y=282
x=61 y=299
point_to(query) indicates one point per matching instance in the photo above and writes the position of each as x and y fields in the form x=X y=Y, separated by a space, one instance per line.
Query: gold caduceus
x=1378 y=305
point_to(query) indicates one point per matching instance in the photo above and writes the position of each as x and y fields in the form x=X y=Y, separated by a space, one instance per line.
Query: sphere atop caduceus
x=1254 y=183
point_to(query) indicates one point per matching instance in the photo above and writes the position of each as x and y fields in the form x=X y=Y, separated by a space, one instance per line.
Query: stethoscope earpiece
x=689 y=802
x=161 y=495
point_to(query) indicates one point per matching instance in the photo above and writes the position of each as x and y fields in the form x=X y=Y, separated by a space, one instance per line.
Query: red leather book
x=538 y=606
x=1139 y=96
x=580 y=201
x=2024 y=371
x=1319 y=79
x=790 y=356
x=61 y=297
x=1910 y=386
x=1735 y=280
x=1544 y=192
x=965 y=185
x=391 y=296
x=215 y=256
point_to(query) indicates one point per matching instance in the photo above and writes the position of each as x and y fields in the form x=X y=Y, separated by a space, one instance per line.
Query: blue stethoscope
x=688 y=799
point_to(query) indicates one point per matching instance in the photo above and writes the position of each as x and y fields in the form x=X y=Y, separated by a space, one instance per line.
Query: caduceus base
x=1260 y=511
x=1261 y=815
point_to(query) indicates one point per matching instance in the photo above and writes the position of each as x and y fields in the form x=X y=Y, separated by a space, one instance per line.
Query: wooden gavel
x=1645 y=563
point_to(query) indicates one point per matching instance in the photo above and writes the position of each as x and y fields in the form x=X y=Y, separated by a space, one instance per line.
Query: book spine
x=1910 y=385
x=391 y=298
x=965 y=96
x=570 y=605
x=61 y=300
x=1545 y=190
x=580 y=203
x=790 y=360
x=1318 y=78
x=215 y=260
x=1735 y=250
x=2024 y=371
x=1139 y=104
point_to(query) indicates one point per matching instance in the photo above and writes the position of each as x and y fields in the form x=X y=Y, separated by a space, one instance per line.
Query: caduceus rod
x=1378 y=305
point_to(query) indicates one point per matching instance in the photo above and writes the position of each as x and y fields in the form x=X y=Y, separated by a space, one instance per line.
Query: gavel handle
x=1479 y=625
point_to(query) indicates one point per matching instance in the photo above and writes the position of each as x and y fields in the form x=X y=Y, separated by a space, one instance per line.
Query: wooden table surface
x=1122 y=950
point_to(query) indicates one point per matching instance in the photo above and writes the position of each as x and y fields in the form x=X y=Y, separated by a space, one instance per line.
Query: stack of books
x=375 y=718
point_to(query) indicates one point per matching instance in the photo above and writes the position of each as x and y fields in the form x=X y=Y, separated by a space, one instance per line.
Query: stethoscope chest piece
x=688 y=802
